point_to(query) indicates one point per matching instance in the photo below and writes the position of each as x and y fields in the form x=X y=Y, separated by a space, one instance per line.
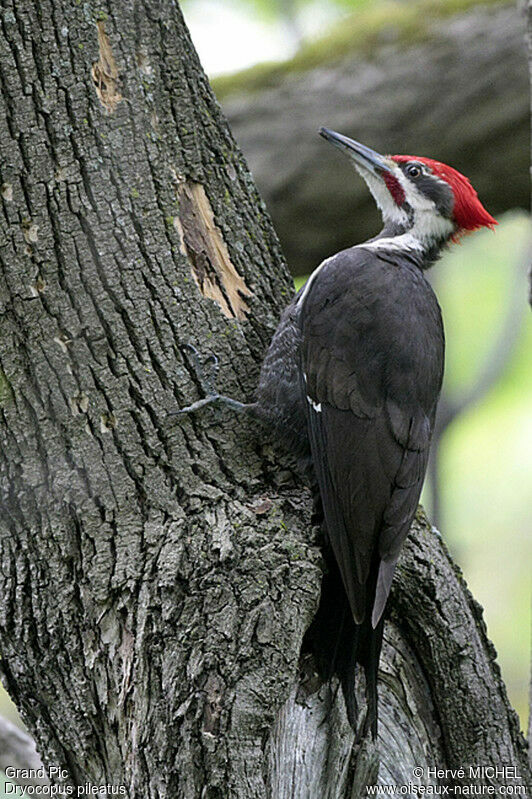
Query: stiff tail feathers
x=368 y=655
x=339 y=644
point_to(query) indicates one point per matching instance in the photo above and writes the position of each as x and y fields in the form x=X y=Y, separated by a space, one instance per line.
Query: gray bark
x=449 y=96
x=157 y=576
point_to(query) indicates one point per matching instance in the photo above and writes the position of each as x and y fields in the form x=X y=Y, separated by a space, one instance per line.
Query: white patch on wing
x=315 y=405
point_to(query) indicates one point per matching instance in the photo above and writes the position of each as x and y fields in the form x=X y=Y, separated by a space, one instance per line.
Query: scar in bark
x=105 y=72
x=203 y=244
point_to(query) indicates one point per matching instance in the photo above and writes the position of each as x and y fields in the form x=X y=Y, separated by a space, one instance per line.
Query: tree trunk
x=424 y=84
x=157 y=575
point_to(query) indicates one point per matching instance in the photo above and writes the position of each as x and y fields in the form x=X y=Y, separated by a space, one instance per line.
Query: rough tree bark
x=157 y=576
x=437 y=90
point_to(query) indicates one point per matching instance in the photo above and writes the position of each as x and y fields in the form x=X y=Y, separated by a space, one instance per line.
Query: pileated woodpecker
x=353 y=376
x=352 y=379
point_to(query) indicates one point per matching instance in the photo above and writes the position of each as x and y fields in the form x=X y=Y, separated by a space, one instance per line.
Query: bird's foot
x=205 y=370
x=213 y=399
x=205 y=374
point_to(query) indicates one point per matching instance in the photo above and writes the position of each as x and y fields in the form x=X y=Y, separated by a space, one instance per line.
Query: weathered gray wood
x=312 y=752
x=157 y=575
x=452 y=96
x=442 y=702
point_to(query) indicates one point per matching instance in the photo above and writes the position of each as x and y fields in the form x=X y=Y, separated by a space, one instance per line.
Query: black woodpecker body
x=351 y=380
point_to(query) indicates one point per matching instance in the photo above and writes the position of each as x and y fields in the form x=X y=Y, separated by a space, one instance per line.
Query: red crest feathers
x=468 y=212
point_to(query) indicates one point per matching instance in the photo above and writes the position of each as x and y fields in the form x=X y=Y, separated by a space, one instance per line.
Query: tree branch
x=18 y=751
x=421 y=81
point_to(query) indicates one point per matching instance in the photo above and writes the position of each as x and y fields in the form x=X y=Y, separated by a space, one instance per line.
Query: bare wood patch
x=30 y=230
x=6 y=190
x=203 y=244
x=105 y=72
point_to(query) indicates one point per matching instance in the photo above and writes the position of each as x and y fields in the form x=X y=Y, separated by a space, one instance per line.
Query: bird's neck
x=408 y=240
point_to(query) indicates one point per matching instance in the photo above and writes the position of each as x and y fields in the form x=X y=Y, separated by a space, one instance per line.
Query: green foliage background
x=486 y=457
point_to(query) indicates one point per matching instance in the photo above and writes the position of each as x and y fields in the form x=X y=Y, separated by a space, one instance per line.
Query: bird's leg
x=207 y=382
x=213 y=399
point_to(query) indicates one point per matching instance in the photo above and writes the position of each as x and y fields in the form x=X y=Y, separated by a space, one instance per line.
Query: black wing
x=372 y=359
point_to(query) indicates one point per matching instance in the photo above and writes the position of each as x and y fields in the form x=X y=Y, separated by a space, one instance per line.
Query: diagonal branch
x=500 y=352
x=18 y=751
x=494 y=365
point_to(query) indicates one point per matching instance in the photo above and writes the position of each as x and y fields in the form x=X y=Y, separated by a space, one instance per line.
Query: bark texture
x=445 y=95
x=157 y=576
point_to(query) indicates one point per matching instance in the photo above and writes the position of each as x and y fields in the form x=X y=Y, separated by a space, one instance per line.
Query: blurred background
x=440 y=78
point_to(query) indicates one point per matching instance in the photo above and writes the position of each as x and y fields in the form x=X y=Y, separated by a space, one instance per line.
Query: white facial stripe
x=429 y=224
x=387 y=205
x=407 y=241
x=415 y=198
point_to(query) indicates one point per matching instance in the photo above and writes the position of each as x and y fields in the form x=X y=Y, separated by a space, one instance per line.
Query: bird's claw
x=206 y=382
x=206 y=379
x=195 y=406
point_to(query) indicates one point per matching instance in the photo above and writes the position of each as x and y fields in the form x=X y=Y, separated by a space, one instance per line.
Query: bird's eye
x=413 y=171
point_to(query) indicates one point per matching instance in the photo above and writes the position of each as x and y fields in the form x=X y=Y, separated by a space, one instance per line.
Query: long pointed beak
x=362 y=155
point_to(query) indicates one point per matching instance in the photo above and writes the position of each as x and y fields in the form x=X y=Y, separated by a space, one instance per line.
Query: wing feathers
x=384 y=582
x=377 y=391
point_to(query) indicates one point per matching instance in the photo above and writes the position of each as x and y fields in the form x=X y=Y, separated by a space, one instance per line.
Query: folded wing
x=372 y=373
